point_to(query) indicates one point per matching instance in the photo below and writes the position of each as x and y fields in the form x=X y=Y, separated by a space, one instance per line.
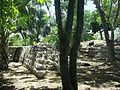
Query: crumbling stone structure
x=42 y=57
x=38 y=58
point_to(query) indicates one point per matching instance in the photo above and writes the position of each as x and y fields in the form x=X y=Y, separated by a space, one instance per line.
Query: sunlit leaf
x=41 y=1
x=15 y=10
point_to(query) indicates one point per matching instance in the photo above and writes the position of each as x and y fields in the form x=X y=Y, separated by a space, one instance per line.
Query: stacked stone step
x=86 y=59
x=81 y=68
x=95 y=53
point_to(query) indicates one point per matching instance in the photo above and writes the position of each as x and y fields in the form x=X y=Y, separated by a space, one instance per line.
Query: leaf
x=41 y=1
x=15 y=10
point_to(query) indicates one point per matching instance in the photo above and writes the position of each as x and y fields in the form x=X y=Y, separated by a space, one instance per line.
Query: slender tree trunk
x=64 y=69
x=3 y=59
x=73 y=69
x=111 y=51
x=3 y=41
x=101 y=36
x=68 y=70
x=3 y=52
x=76 y=44
x=110 y=43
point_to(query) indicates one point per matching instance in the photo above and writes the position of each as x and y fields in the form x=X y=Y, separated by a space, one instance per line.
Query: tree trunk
x=3 y=55
x=110 y=43
x=101 y=36
x=3 y=61
x=73 y=69
x=3 y=44
x=111 y=51
x=76 y=43
x=68 y=71
x=64 y=37
x=64 y=69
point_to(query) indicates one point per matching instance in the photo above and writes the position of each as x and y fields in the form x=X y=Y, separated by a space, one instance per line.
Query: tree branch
x=117 y=13
x=103 y=19
x=111 y=4
x=80 y=24
x=70 y=15
x=58 y=18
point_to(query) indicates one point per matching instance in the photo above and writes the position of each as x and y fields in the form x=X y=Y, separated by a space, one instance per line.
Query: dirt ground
x=91 y=77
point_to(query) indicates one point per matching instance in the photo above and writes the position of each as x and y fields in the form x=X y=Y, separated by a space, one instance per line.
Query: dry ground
x=93 y=77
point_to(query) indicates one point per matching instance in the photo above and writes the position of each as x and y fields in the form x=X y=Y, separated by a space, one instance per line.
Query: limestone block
x=52 y=65
x=40 y=74
x=48 y=61
x=40 y=60
x=39 y=66
x=39 y=54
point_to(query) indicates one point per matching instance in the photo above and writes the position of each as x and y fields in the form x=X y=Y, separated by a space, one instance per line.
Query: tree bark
x=73 y=69
x=111 y=52
x=101 y=36
x=76 y=43
x=110 y=43
x=68 y=70
x=3 y=48
x=3 y=52
x=3 y=41
x=64 y=69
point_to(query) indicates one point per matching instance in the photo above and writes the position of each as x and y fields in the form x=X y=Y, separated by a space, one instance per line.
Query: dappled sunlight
x=59 y=45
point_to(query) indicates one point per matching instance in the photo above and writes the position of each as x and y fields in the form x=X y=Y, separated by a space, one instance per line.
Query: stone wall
x=98 y=50
x=14 y=53
x=38 y=58
x=42 y=57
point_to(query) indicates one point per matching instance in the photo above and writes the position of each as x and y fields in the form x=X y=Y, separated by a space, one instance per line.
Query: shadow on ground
x=105 y=75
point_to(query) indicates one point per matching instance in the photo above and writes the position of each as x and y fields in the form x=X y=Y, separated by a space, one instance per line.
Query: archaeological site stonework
x=42 y=57
x=38 y=58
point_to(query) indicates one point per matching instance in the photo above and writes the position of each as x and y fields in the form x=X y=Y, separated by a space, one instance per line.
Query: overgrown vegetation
x=28 y=22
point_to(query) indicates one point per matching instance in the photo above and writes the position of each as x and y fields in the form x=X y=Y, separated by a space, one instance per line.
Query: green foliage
x=30 y=21
x=52 y=38
x=88 y=36
x=41 y=1
x=15 y=40
x=110 y=9
x=8 y=14
x=26 y=41
x=88 y=17
x=22 y=21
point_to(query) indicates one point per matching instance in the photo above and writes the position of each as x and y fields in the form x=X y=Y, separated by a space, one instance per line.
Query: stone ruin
x=98 y=50
x=38 y=58
x=42 y=57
